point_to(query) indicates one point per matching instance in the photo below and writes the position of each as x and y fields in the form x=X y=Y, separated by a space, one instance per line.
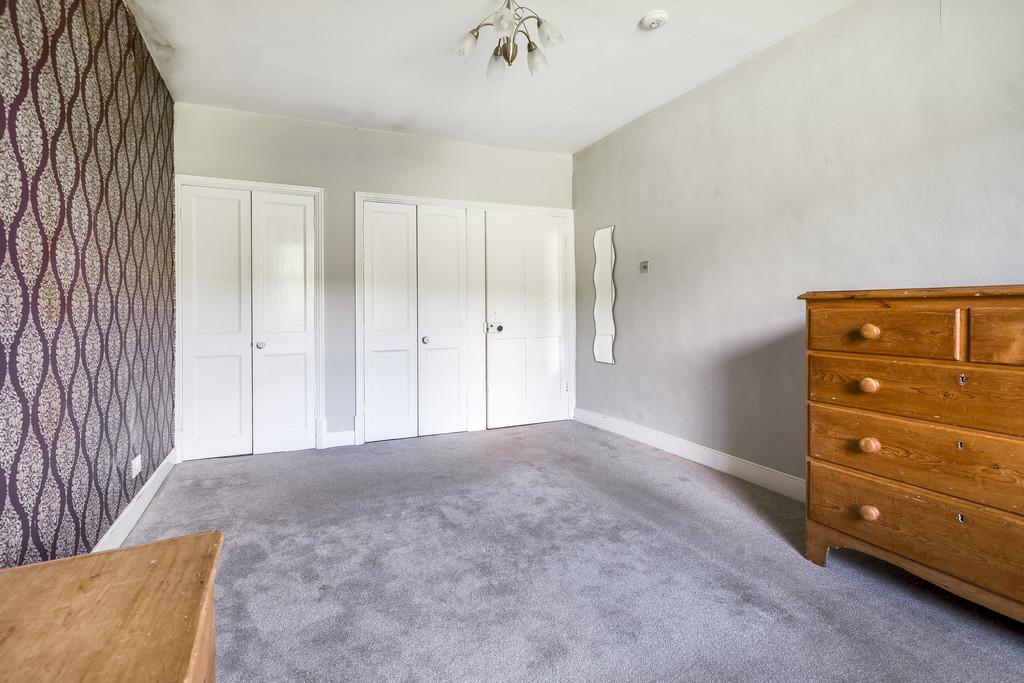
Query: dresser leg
x=815 y=544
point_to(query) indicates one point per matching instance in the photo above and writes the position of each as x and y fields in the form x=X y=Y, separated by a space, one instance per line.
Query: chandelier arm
x=521 y=26
x=487 y=21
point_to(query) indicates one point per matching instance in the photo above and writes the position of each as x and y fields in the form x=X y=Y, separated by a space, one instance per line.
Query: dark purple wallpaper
x=86 y=272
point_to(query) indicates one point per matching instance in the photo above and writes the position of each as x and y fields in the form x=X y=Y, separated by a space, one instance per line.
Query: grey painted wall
x=882 y=147
x=230 y=144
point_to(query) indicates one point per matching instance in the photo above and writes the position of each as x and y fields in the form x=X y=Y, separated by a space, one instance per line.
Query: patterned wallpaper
x=86 y=272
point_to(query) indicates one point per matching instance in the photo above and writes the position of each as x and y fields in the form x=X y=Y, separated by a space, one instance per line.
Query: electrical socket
x=136 y=466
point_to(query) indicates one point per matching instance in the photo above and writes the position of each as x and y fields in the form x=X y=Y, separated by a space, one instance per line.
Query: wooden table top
x=125 y=614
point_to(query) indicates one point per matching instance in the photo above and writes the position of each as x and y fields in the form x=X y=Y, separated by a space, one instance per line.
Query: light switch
x=645 y=266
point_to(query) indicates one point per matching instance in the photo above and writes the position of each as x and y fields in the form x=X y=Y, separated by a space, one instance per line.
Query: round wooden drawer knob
x=870 y=444
x=870 y=385
x=869 y=513
x=870 y=331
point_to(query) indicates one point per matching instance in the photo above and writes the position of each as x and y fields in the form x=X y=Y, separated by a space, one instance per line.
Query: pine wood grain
x=920 y=293
x=132 y=614
x=977 y=466
x=900 y=332
x=997 y=335
x=821 y=539
x=989 y=399
x=966 y=540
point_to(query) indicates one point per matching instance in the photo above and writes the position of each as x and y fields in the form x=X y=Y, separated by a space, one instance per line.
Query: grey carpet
x=548 y=552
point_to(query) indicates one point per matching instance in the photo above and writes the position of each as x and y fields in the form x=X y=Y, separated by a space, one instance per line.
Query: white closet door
x=443 y=353
x=527 y=326
x=216 y=322
x=283 y=322
x=389 y=321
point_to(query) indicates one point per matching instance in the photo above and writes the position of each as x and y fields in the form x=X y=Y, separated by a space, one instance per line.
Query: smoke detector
x=654 y=20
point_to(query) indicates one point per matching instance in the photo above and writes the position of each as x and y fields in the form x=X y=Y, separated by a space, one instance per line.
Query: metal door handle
x=425 y=340
x=261 y=345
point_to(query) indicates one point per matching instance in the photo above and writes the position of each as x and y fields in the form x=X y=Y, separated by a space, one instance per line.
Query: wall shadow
x=765 y=421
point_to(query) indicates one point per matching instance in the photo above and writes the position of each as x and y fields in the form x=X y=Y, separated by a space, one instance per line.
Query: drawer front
x=985 y=398
x=960 y=462
x=997 y=335
x=969 y=541
x=924 y=333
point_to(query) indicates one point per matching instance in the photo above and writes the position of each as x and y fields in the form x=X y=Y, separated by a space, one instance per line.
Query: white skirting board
x=765 y=477
x=125 y=522
x=335 y=439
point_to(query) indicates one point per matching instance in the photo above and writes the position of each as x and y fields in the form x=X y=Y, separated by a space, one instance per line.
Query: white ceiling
x=389 y=64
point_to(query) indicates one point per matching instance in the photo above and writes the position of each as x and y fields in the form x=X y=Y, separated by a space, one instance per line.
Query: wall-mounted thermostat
x=645 y=266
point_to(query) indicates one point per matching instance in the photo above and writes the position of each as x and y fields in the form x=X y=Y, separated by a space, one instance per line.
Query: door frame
x=475 y=224
x=318 y=194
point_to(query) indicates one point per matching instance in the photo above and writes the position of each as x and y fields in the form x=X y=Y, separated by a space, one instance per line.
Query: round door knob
x=870 y=444
x=261 y=345
x=870 y=331
x=870 y=385
x=500 y=328
x=869 y=513
x=425 y=340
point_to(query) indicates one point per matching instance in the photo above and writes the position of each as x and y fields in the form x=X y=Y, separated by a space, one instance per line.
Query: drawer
x=960 y=462
x=969 y=541
x=924 y=333
x=985 y=398
x=997 y=335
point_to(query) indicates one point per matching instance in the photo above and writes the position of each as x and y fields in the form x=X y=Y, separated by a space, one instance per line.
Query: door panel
x=527 y=353
x=216 y=322
x=283 y=326
x=443 y=357
x=544 y=368
x=219 y=381
x=506 y=377
x=392 y=372
x=390 y=320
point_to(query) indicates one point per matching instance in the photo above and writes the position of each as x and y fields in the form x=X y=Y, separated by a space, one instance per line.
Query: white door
x=443 y=351
x=216 y=321
x=283 y=322
x=528 y=326
x=389 y=321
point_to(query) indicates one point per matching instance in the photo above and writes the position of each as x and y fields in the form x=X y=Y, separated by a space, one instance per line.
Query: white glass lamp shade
x=536 y=60
x=549 y=33
x=496 y=66
x=467 y=43
x=505 y=22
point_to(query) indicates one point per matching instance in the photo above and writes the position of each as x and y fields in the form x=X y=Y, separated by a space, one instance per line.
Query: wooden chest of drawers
x=916 y=434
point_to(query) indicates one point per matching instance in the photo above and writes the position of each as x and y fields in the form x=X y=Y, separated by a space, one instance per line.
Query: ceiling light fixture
x=509 y=22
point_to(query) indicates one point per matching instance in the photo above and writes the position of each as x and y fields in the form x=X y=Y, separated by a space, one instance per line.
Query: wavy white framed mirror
x=604 y=299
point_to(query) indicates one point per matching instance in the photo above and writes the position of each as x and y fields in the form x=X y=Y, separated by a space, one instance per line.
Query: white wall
x=230 y=144
x=882 y=147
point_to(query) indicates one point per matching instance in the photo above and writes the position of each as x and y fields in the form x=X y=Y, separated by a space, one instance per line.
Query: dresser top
x=125 y=614
x=927 y=293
